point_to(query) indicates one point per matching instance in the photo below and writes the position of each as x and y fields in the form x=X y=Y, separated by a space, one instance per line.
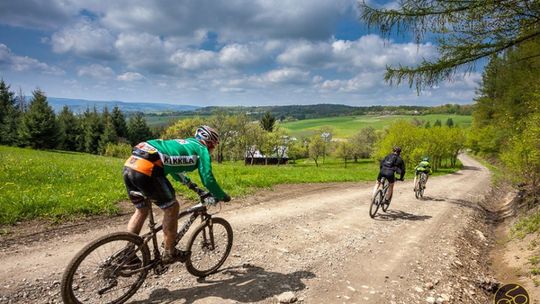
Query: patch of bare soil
x=310 y=243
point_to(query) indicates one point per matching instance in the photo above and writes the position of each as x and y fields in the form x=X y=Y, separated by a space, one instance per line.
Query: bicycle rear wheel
x=375 y=203
x=210 y=245
x=108 y=270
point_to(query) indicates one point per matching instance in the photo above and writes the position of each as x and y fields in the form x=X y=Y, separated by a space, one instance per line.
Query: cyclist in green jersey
x=423 y=166
x=145 y=173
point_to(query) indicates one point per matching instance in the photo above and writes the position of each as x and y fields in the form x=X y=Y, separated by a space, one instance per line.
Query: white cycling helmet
x=207 y=134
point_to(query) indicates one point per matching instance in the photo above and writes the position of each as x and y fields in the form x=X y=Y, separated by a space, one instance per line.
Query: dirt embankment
x=316 y=242
x=513 y=260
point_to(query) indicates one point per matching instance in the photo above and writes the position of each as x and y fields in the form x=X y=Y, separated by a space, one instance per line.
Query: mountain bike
x=113 y=267
x=420 y=186
x=379 y=199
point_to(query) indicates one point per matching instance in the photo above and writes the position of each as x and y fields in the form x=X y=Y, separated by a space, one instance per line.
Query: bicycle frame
x=195 y=211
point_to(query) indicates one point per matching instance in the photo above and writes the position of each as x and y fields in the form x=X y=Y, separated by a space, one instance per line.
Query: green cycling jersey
x=186 y=155
x=423 y=166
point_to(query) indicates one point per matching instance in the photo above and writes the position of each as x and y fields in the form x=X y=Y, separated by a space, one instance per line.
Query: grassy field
x=346 y=126
x=59 y=185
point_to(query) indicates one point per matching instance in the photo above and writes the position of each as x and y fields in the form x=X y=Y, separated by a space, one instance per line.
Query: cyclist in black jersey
x=391 y=164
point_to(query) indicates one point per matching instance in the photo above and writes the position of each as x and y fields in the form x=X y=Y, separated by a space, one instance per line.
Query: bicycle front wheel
x=108 y=270
x=375 y=203
x=210 y=245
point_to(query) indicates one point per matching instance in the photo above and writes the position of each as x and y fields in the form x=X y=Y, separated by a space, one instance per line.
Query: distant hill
x=80 y=105
x=300 y=112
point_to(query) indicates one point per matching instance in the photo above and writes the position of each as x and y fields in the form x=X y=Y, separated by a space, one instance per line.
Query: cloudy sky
x=210 y=52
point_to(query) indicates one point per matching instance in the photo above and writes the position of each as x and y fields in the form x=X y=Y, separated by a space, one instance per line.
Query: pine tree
x=92 y=127
x=119 y=123
x=109 y=132
x=69 y=129
x=437 y=123
x=9 y=115
x=138 y=130
x=268 y=121
x=449 y=122
x=39 y=128
x=466 y=31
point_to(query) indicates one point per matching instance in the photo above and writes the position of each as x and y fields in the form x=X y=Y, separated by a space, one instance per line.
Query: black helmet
x=396 y=149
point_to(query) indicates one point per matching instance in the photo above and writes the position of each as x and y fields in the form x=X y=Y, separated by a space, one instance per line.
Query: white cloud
x=96 y=71
x=130 y=76
x=194 y=59
x=37 y=14
x=237 y=55
x=287 y=76
x=369 y=52
x=234 y=20
x=24 y=63
x=85 y=38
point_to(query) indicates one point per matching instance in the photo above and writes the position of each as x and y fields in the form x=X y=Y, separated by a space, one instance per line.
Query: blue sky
x=209 y=52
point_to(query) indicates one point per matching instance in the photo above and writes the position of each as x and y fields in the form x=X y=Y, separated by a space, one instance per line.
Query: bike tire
x=80 y=283
x=375 y=203
x=385 y=206
x=221 y=231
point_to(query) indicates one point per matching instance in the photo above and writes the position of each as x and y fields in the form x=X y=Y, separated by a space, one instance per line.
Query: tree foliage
x=439 y=143
x=466 y=31
x=268 y=122
x=39 y=128
x=138 y=130
x=9 y=115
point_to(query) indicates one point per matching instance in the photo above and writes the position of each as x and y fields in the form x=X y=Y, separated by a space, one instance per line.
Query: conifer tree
x=9 y=115
x=138 y=130
x=466 y=31
x=39 y=127
x=69 y=129
x=92 y=127
x=109 y=132
x=119 y=123
x=268 y=121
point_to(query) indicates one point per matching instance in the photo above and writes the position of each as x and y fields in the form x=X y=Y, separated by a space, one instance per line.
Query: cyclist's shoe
x=175 y=255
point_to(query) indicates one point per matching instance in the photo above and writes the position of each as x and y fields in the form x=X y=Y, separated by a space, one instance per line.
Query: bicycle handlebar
x=205 y=196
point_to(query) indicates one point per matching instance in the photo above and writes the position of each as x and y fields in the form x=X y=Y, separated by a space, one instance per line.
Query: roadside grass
x=526 y=225
x=346 y=126
x=60 y=185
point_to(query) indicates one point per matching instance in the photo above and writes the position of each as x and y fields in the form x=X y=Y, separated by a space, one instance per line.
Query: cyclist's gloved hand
x=209 y=199
x=226 y=198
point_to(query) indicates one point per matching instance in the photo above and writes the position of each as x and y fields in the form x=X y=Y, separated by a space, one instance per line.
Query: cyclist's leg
x=391 y=179
x=415 y=178
x=166 y=200
x=377 y=185
x=131 y=179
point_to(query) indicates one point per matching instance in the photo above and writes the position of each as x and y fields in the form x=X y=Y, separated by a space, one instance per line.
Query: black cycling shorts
x=156 y=187
x=388 y=174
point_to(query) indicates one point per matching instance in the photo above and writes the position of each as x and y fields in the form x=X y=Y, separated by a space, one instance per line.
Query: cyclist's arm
x=207 y=178
x=181 y=177
x=401 y=166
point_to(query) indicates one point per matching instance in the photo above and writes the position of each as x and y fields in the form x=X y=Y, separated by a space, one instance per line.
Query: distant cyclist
x=145 y=171
x=423 y=166
x=391 y=164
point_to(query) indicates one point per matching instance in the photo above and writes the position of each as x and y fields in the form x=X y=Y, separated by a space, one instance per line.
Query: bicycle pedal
x=160 y=269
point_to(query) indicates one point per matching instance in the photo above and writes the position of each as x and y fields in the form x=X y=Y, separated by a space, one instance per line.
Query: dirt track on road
x=315 y=240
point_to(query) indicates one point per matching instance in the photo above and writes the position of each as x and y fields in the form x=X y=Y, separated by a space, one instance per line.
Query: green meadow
x=347 y=126
x=58 y=185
